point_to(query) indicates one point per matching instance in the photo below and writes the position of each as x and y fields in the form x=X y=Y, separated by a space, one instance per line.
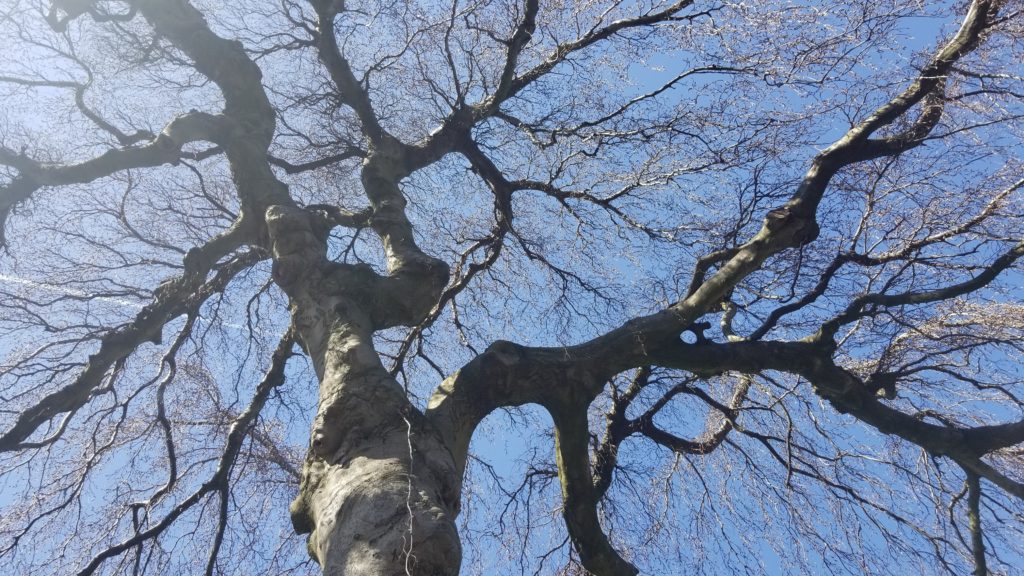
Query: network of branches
x=754 y=266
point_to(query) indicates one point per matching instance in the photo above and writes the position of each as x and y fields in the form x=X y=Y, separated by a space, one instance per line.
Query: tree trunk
x=380 y=490
x=379 y=493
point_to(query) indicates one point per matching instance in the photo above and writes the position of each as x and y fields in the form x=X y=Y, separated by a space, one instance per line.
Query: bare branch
x=183 y=295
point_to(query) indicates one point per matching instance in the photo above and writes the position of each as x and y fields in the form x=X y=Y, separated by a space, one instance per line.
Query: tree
x=753 y=268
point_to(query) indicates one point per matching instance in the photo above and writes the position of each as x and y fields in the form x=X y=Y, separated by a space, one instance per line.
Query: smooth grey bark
x=379 y=491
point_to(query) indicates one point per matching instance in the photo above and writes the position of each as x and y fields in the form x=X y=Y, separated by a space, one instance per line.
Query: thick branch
x=248 y=113
x=351 y=92
x=793 y=224
x=932 y=78
x=974 y=524
x=580 y=497
x=511 y=375
x=519 y=40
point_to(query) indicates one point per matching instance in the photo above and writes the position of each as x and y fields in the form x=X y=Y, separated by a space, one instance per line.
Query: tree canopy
x=511 y=286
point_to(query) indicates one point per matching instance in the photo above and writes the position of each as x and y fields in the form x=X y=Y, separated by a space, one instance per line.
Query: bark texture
x=379 y=488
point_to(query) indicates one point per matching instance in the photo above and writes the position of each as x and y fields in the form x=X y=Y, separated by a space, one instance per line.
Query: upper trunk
x=379 y=492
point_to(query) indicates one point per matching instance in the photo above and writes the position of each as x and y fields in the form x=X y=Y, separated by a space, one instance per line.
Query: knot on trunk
x=790 y=221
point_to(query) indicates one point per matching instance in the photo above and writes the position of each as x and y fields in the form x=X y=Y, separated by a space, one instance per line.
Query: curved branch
x=289 y=168
x=165 y=149
x=445 y=138
x=240 y=428
x=593 y=36
x=580 y=496
x=349 y=89
x=518 y=41
x=974 y=523
x=856 y=309
x=713 y=439
x=249 y=116
x=182 y=295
